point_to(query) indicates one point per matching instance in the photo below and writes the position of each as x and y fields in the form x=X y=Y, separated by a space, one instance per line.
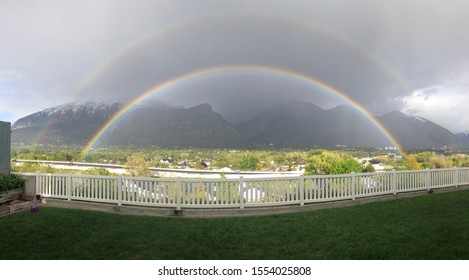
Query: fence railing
x=243 y=192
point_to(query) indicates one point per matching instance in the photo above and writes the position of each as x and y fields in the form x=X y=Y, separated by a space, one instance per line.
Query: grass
x=427 y=227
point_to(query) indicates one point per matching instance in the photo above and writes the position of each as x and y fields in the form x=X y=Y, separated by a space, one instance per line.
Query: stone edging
x=9 y=196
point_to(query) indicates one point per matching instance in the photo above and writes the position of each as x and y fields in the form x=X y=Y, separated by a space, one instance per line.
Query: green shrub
x=32 y=168
x=248 y=162
x=369 y=168
x=10 y=182
x=100 y=171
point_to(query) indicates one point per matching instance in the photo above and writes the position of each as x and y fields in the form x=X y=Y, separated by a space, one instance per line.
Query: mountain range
x=291 y=124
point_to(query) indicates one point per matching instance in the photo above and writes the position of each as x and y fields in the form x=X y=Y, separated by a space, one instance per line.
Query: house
x=5 y=147
x=167 y=160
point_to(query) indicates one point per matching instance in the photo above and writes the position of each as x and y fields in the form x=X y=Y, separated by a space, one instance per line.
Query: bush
x=32 y=168
x=138 y=167
x=100 y=171
x=248 y=162
x=369 y=168
x=10 y=182
x=327 y=162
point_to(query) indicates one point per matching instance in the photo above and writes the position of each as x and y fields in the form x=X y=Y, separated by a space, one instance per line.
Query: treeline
x=314 y=162
x=195 y=158
x=424 y=160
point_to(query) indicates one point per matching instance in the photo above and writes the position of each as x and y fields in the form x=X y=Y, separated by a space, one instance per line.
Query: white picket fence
x=239 y=193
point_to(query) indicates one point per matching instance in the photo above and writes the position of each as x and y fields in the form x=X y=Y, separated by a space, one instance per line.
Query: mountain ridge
x=291 y=124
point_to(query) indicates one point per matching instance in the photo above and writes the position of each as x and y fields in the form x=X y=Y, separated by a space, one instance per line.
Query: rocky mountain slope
x=292 y=124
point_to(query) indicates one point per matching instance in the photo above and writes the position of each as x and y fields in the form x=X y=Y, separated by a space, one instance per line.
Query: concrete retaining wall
x=214 y=213
x=30 y=185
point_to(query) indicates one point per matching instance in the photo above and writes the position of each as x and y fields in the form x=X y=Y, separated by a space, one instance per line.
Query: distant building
x=167 y=160
x=5 y=147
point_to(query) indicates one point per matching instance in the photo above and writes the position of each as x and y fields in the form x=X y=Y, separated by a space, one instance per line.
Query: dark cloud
x=376 y=52
x=247 y=39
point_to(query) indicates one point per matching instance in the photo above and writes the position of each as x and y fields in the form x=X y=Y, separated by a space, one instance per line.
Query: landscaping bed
x=14 y=206
x=12 y=201
x=12 y=195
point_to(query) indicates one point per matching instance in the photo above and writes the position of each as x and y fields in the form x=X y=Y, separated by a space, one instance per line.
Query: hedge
x=10 y=182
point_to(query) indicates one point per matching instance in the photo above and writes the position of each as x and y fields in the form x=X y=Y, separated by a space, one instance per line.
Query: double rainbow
x=180 y=25
x=241 y=69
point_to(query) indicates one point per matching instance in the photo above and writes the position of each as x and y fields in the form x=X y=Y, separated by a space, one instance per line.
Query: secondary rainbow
x=180 y=25
x=241 y=69
x=206 y=18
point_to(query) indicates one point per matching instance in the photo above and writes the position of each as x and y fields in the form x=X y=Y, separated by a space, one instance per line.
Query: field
x=427 y=227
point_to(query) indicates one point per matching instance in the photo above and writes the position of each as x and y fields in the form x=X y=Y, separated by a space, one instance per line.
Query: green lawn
x=427 y=227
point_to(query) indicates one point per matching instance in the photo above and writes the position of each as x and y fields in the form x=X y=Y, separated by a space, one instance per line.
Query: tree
x=330 y=163
x=412 y=163
x=441 y=162
x=460 y=160
x=345 y=166
x=138 y=167
x=369 y=168
x=248 y=162
x=424 y=159
x=432 y=160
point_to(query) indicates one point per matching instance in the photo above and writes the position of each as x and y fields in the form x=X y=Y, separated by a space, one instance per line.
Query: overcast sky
x=411 y=56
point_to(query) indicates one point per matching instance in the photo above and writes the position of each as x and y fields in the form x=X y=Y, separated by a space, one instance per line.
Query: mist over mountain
x=161 y=125
x=416 y=132
x=463 y=139
x=303 y=124
x=289 y=124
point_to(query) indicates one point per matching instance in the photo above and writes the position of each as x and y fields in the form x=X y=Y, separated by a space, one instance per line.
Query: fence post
x=394 y=182
x=353 y=186
x=69 y=187
x=302 y=190
x=178 y=186
x=456 y=176
x=38 y=186
x=241 y=192
x=119 y=190
x=427 y=179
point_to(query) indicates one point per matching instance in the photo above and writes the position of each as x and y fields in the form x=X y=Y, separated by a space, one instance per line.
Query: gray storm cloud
x=377 y=52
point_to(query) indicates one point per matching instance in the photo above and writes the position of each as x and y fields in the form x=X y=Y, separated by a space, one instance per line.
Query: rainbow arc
x=217 y=71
